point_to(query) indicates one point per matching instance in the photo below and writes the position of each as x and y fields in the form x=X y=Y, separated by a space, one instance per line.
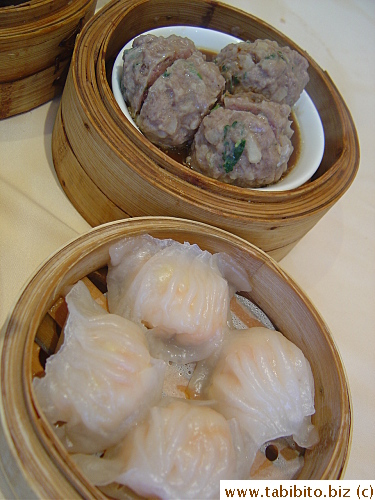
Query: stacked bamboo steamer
x=36 y=43
x=35 y=463
x=109 y=170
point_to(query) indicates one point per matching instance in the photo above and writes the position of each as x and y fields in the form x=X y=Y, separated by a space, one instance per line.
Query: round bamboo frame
x=109 y=170
x=36 y=44
x=31 y=452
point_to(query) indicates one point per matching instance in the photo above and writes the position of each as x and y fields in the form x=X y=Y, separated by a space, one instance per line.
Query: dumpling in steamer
x=101 y=381
x=266 y=383
x=181 y=293
x=181 y=450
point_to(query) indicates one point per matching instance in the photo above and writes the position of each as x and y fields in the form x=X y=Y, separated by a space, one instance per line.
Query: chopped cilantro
x=194 y=71
x=233 y=82
x=274 y=55
x=232 y=156
x=226 y=127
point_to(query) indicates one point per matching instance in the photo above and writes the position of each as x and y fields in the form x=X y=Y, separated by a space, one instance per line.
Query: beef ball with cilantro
x=178 y=101
x=240 y=148
x=279 y=73
x=146 y=60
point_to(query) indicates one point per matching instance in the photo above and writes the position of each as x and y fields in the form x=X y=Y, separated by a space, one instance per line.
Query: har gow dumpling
x=266 y=383
x=101 y=380
x=181 y=450
x=178 y=291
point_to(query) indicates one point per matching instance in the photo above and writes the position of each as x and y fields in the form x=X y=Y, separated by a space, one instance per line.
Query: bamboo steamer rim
x=102 y=112
x=35 y=17
x=36 y=44
x=28 y=10
x=39 y=454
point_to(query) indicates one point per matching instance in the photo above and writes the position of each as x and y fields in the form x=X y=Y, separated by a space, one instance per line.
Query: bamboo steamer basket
x=36 y=44
x=110 y=171
x=33 y=460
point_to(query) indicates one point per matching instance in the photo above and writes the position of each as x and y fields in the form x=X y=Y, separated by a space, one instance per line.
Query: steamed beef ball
x=148 y=58
x=179 y=99
x=279 y=73
x=276 y=114
x=238 y=147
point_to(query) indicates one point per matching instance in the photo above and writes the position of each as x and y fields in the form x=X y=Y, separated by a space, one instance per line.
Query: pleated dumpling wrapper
x=264 y=381
x=178 y=291
x=101 y=381
x=181 y=450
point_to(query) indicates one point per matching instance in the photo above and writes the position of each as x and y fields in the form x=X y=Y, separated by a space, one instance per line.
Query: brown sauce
x=210 y=54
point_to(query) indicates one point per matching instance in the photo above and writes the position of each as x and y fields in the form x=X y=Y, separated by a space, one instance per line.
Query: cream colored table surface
x=334 y=263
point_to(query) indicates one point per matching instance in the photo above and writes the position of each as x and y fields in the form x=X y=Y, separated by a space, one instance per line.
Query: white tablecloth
x=334 y=263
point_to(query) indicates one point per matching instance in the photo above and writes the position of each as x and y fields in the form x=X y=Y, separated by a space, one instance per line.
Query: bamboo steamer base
x=34 y=463
x=28 y=93
x=109 y=170
x=36 y=43
x=85 y=194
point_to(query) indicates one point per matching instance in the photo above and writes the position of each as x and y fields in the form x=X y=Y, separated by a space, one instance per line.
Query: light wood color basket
x=36 y=44
x=32 y=458
x=111 y=171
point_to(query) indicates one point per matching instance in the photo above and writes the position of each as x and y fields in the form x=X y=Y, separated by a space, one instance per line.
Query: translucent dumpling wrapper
x=101 y=381
x=178 y=291
x=181 y=450
x=265 y=382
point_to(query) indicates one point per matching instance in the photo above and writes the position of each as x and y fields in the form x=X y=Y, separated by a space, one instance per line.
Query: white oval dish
x=309 y=122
